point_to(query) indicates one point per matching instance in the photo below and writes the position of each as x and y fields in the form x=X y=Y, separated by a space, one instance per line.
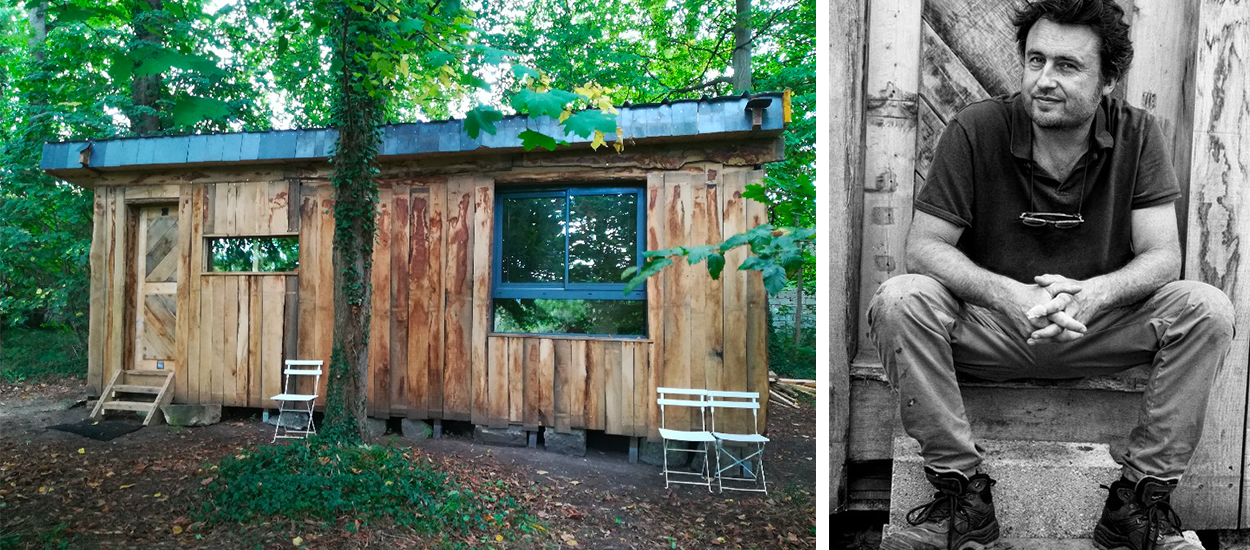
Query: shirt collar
x=1021 y=125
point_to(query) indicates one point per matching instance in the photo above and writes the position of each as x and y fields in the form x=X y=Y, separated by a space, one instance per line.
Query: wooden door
x=155 y=287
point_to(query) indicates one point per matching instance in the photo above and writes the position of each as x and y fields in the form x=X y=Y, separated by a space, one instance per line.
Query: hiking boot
x=960 y=517
x=1140 y=517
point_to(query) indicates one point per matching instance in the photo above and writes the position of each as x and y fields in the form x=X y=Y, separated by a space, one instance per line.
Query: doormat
x=102 y=430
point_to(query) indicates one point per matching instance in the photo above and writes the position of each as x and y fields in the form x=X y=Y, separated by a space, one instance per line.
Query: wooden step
x=132 y=388
x=151 y=382
x=129 y=406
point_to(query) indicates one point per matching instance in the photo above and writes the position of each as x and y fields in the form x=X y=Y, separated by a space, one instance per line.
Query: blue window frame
x=570 y=243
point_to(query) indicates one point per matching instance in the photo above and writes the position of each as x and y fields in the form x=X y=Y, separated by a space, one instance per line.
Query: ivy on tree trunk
x=358 y=111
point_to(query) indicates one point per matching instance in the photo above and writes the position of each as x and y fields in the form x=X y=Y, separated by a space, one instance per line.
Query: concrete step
x=1045 y=490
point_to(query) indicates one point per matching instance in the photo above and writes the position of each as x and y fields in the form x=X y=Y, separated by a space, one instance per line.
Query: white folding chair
x=292 y=401
x=686 y=400
x=751 y=442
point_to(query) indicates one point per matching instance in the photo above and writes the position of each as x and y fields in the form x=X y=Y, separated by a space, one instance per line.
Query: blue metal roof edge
x=683 y=118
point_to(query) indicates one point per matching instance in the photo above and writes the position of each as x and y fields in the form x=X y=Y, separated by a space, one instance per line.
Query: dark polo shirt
x=979 y=180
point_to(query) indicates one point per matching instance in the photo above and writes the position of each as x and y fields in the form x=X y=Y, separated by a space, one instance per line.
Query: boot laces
x=944 y=506
x=1161 y=519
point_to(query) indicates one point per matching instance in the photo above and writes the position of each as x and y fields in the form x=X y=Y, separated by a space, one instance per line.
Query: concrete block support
x=572 y=443
x=1045 y=490
x=512 y=436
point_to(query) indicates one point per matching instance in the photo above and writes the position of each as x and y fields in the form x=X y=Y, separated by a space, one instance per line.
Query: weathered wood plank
x=678 y=296
x=380 y=320
x=497 y=370
x=595 y=385
x=979 y=32
x=614 y=408
x=190 y=369
x=946 y=86
x=578 y=384
x=757 y=312
x=1166 y=34
x=516 y=380
x=892 y=84
x=325 y=300
x=562 y=394
x=1215 y=488
x=242 y=342
x=257 y=370
x=229 y=323
x=119 y=262
x=399 y=305
x=459 y=306
x=437 y=245
x=483 y=231
x=546 y=381
x=734 y=376
x=656 y=207
x=184 y=298
x=273 y=291
x=310 y=254
x=277 y=201
x=420 y=294
x=290 y=316
x=696 y=281
x=98 y=298
x=640 y=390
x=208 y=357
x=712 y=314
x=531 y=397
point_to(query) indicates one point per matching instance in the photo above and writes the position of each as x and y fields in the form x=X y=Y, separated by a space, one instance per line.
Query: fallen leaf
x=157 y=495
x=297 y=541
x=575 y=483
x=542 y=472
x=177 y=529
x=82 y=451
x=126 y=486
x=207 y=480
x=498 y=538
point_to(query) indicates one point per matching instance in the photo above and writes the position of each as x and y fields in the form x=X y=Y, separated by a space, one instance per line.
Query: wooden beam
x=1214 y=488
x=843 y=206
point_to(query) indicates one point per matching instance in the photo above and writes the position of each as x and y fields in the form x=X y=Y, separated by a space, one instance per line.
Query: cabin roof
x=727 y=117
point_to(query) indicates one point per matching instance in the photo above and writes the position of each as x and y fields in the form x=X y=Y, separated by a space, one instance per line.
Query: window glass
x=253 y=254
x=571 y=316
x=532 y=230
x=603 y=237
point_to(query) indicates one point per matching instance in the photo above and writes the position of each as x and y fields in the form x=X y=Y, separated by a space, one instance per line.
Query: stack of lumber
x=786 y=391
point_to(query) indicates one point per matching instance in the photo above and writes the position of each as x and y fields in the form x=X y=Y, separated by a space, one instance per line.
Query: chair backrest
x=735 y=400
x=690 y=400
x=301 y=367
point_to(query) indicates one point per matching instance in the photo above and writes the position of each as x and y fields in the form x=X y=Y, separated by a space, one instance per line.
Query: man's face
x=1062 y=75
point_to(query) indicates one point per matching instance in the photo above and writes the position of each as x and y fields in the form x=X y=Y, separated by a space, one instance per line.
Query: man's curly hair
x=1104 y=17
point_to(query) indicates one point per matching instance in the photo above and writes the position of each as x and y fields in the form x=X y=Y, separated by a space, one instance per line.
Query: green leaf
x=481 y=118
x=546 y=103
x=754 y=262
x=532 y=140
x=648 y=269
x=521 y=71
x=715 y=265
x=75 y=14
x=774 y=279
x=437 y=59
x=494 y=56
x=584 y=123
x=190 y=110
x=734 y=241
x=412 y=25
x=697 y=254
x=756 y=192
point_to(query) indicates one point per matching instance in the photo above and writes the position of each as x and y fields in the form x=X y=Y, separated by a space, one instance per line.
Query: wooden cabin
x=899 y=69
x=496 y=290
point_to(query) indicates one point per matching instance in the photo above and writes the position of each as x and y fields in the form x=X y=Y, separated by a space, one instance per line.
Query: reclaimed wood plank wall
x=432 y=354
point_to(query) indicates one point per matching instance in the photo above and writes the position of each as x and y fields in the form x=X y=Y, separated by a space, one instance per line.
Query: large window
x=559 y=255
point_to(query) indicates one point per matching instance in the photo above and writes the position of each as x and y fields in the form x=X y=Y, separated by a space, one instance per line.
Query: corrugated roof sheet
x=706 y=117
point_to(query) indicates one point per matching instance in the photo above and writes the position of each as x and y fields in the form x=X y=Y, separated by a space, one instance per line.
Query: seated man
x=1044 y=245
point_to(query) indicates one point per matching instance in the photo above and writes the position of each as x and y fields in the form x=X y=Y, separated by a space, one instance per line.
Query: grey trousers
x=924 y=335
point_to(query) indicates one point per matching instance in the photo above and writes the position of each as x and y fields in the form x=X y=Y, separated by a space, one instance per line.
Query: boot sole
x=1110 y=541
x=985 y=538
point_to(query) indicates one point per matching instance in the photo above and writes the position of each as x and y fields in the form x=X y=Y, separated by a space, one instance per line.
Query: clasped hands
x=1052 y=311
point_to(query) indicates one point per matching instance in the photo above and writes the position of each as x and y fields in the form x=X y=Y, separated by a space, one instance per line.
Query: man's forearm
x=1134 y=282
x=964 y=278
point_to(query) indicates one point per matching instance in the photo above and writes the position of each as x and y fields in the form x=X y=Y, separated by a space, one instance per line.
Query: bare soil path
x=60 y=490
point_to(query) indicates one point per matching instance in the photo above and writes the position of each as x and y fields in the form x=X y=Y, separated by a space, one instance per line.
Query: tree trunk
x=742 y=47
x=145 y=91
x=37 y=17
x=357 y=114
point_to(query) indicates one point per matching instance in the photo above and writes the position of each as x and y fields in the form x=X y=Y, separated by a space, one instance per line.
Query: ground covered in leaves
x=142 y=490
